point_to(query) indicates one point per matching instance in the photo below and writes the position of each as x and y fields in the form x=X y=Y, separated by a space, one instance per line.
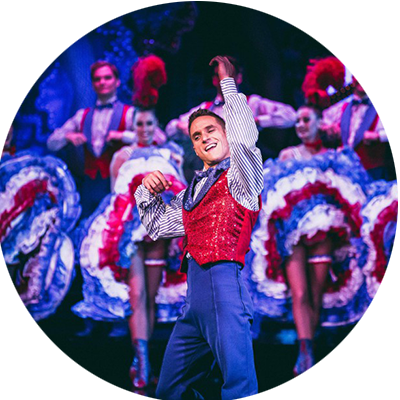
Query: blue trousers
x=215 y=325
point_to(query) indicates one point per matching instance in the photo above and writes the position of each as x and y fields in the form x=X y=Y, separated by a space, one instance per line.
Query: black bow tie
x=103 y=106
x=356 y=102
x=203 y=174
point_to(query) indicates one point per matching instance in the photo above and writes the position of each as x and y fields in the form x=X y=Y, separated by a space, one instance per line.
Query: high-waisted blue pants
x=215 y=325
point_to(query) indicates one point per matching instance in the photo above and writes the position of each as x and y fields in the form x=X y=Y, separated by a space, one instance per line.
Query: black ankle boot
x=140 y=368
x=305 y=359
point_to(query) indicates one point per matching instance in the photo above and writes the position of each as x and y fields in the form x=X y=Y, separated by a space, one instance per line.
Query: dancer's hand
x=156 y=183
x=225 y=69
x=332 y=131
x=114 y=135
x=76 y=138
x=371 y=137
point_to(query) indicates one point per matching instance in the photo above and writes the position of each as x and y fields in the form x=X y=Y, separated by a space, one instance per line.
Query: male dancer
x=94 y=134
x=216 y=214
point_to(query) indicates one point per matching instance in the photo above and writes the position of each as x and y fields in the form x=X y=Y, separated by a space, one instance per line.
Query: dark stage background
x=186 y=35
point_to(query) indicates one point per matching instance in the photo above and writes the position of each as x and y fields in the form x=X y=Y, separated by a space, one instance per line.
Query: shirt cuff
x=128 y=137
x=228 y=86
x=143 y=197
x=382 y=135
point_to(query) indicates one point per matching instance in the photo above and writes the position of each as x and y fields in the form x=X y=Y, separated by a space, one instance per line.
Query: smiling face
x=144 y=124
x=307 y=125
x=209 y=140
x=364 y=78
x=6 y=132
x=105 y=83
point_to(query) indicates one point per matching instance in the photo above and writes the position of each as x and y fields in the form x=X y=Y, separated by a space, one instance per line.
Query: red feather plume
x=320 y=75
x=148 y=75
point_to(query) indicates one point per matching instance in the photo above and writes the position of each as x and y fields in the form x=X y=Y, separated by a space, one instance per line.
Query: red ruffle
x=387 y=215
x=121 y=213
x=340 y=235
x=24 y=199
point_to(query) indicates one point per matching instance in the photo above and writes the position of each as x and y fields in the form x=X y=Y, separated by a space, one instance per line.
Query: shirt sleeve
x=272 y=114
x=162 y=221
x=333 y=114
x=56 y=141
x=245 y=175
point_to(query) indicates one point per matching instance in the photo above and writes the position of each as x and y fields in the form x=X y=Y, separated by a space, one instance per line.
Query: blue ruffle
x=97 y=304
x=346 y=164
x=45 y=248
x=381 y=313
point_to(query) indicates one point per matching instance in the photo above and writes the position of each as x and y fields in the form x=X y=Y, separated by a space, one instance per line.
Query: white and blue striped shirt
x=245 y=175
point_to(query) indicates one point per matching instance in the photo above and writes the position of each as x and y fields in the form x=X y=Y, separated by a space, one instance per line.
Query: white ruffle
x=138 y=166
x=27 y=241
x=308 y=225
x=171 y=294
x=322 y=217
x=20 y=179
x=370 y=212
x=89 y=257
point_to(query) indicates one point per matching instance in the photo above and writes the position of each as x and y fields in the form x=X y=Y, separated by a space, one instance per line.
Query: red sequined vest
x=374 y=155
x=218 y=228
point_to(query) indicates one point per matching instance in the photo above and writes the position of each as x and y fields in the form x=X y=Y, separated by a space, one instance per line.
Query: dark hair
x=202 y=112
x=369 y=60
x=139 y=109
x=313 y=107
x=101 y=63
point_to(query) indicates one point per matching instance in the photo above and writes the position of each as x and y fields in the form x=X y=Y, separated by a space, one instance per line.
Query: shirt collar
x=109 y=101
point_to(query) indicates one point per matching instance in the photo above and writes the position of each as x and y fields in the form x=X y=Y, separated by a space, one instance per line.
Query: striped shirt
x=245 y=175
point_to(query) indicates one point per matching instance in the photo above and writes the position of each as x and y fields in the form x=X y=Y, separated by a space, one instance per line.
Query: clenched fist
x=225 y=69
x=156 y=183
x=76 y=138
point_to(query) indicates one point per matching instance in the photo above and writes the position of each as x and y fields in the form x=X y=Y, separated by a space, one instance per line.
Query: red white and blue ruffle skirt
x=39 y=206
x=108 y=239
x=378 y=252
x=308 y=200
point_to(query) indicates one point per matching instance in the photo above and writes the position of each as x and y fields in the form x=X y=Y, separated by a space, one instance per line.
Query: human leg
x=138 y=321
x=188 y=357
x=225 y=313
x=154 y=262
x=296 y=274
x=319 y=262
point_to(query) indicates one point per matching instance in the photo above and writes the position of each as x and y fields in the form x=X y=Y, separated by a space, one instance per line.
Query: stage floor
x=54 y=364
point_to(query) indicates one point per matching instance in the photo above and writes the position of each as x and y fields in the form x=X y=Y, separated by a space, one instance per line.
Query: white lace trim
x=333 y=217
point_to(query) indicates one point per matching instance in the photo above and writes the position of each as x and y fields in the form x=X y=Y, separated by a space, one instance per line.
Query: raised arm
x=161 y=220
x=245 y=176
x=270 y=113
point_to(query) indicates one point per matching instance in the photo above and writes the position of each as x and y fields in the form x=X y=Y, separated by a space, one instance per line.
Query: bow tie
x=222 y=166
x=103 y=106
x=356 y=102
x=203 y=174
